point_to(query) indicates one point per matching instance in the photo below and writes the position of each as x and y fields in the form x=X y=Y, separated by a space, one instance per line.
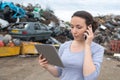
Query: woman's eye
x=79 y=27
x=72 y=27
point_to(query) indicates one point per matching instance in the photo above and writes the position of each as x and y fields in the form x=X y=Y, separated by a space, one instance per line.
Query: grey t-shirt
x=73 y=62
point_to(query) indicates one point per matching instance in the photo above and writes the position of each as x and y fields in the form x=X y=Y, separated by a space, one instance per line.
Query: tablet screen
x=50 y=53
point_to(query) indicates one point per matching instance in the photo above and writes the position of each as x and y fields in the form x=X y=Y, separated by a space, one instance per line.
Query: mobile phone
x=85 y=37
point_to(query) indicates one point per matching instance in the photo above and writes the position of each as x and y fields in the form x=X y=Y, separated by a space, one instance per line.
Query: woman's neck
x=80 y=42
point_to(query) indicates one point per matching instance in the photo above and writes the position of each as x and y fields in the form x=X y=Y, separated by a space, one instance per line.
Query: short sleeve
x=59 y=69
x=97 y=56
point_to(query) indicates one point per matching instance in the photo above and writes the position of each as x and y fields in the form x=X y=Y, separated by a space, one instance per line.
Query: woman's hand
x=90 y=35
x=43 y=62
x=50 y=68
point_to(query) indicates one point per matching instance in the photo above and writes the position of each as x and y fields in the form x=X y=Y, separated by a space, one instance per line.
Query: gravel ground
x=27 y=68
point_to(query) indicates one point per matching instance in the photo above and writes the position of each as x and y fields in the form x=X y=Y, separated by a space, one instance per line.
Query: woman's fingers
x=41 y=56
x=90 y=29
x=90 y=32
x=87 y=31
x=42 y=61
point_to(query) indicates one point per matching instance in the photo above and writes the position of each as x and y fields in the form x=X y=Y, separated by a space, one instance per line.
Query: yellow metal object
x=56 y=45
x=15 y=31
x=29 y=48
x=9 y=51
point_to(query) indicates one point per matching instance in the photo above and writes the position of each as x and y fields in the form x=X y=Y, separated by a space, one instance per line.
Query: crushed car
x=30 y=31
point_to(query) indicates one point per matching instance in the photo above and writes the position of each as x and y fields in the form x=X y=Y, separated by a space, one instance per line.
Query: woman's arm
x=53 y=70
x=92 y=61
x=50 y=68
x=95 y=63
x=88 y=66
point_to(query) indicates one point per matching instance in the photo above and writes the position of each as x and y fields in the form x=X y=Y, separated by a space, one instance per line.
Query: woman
x=81 y=57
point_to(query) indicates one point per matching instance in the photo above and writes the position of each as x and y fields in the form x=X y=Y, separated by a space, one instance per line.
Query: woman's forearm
x=52 y=69
x=88 y=66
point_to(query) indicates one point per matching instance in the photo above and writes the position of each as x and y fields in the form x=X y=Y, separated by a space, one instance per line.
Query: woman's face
x=78 y=27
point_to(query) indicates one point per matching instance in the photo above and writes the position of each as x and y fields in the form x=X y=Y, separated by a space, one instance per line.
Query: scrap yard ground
x=27 y=68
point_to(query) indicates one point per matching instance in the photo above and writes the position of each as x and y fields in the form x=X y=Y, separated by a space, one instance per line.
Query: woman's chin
x=78 y=39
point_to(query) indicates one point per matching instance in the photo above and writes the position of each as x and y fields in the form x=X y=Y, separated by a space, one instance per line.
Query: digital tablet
x=50 y=53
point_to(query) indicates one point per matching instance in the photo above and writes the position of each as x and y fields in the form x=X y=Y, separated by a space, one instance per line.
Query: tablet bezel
x=50 y=53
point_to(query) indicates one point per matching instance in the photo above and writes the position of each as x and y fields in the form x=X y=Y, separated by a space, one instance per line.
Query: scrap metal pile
x=13 y=13
x=108 y=33
x=10 y=13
